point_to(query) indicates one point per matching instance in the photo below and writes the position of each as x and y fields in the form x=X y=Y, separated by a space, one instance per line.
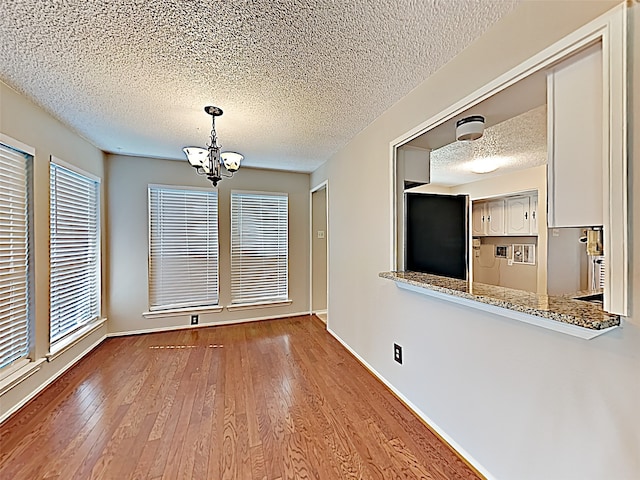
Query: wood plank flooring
x=277 y=399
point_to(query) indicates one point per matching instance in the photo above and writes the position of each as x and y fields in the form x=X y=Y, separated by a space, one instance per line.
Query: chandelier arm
x=214 y=167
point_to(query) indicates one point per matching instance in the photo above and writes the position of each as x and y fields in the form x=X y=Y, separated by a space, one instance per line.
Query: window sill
x=19 y=373
x=251 y=306
x=63 y=345
x=176 y=312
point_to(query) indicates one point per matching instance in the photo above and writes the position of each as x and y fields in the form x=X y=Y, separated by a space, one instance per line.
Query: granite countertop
x=560 y=308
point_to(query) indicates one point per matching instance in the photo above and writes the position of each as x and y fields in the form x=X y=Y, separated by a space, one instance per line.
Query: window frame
x=88 y=325
x=240 y=301
x=26 y=354
x=184 y=306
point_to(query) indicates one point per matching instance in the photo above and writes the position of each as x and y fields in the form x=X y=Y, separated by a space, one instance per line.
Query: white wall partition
x=519 y=401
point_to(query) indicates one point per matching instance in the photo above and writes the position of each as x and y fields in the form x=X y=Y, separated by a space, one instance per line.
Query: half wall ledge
x=562 y=314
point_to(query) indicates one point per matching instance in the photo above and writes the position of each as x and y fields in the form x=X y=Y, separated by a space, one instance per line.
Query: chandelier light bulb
x=196 y=156
x=209 y=161
x=231 y=160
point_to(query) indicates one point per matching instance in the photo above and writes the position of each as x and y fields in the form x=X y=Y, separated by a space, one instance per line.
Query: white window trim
x=266 y=303
x=76 y=169
x=23 y=368
x=178 y=310
x=17 y=144
x=18 y=373
x=60 y=346
x=257 y=305
x=182 y=187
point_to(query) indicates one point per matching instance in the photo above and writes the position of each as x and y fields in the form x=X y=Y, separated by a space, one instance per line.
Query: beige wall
x=128 y=180
x=519 y=401
x=319 y=250
x=497 y=271
x=21 y=120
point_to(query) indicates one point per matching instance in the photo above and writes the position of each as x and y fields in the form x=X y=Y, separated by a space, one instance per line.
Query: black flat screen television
x=436 y=236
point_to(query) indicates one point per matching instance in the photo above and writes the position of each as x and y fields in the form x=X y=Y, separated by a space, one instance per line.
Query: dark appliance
x=436 y=235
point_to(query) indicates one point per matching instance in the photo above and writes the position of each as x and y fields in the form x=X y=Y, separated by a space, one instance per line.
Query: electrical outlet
x=397 y=353
x=194 y=319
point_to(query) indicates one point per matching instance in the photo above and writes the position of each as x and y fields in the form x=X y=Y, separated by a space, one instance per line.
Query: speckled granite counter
x=562 y=308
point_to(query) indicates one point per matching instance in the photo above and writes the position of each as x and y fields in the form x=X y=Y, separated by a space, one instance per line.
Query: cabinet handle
x=483 y=218
x=526 y=215
x=489 y=218
x=533 y=214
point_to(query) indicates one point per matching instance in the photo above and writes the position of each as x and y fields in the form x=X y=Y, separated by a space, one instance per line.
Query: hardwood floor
x=277 y=399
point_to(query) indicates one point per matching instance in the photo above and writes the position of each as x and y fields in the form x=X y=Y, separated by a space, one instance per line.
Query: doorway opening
x=319 y=252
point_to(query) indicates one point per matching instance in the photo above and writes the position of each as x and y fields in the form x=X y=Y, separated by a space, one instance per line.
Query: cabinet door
x=495 y=217
x=575 y=150
x=478 y=223
x=518 y=216
x=534 y=214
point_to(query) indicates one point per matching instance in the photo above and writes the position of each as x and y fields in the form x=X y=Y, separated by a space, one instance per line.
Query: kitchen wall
x=567 y=262
x=519 y=401
x=22 y=120
x=128 y=179
x=487 y=268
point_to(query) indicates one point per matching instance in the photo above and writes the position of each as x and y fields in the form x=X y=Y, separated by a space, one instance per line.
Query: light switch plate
x=320 y=233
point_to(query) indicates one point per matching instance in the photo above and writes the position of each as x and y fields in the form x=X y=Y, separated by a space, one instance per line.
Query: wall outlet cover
x=397 y=353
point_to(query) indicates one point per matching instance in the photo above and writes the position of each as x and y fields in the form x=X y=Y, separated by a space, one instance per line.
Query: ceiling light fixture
x=486 y=164
x=209 y=161
x=470 y=128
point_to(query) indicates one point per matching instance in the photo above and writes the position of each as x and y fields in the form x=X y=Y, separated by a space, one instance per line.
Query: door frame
x=320 y=186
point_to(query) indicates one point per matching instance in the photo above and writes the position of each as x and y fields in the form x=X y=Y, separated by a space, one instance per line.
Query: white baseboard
x=204 y=325
x=453 y=444
x=51 y=379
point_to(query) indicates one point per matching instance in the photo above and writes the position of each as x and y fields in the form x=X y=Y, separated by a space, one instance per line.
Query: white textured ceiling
x=296 y=79
x=518 y=143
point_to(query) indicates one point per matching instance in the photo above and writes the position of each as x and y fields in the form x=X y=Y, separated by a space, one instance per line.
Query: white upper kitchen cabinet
x=519 y=215
x=487 y=218
x=576 y=155
x=478 y=226
x=495 y=217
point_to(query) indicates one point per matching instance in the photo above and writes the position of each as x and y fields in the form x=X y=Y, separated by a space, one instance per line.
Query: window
x=259 y=247
x=15 y=311
x=74 y=250
x=183 y=247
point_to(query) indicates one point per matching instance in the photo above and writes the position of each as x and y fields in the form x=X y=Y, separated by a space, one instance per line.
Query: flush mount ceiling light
x=470 y=128
x=209 y=161
x=486 y=165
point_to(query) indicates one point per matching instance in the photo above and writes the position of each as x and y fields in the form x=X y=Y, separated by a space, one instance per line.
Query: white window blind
x=74 y=251
x=259 y=247
x=183 y=247
x=14 y=256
